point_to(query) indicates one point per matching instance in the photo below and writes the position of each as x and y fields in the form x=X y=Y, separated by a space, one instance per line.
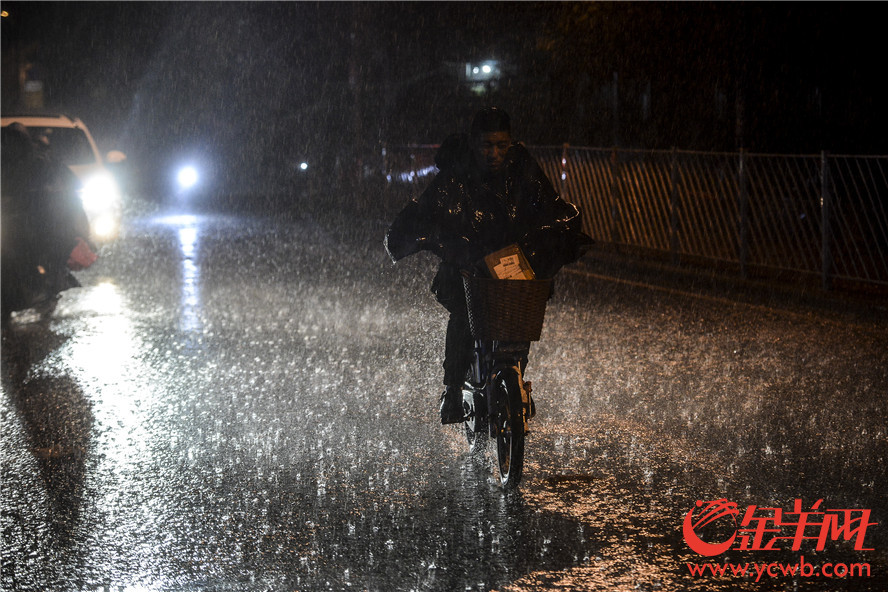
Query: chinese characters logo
x=772 y=529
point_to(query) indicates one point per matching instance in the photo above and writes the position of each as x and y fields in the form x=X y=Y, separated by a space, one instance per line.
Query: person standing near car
x=489 y=193
x=43 y=220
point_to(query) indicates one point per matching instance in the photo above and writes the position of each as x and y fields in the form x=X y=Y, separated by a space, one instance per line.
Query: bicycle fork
x=511 y=376
x=493 y=364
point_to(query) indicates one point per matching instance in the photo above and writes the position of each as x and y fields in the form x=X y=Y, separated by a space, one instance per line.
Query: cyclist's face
x=490 y=150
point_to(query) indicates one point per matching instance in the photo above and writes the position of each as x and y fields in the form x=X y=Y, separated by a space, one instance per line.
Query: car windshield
x=69 y=145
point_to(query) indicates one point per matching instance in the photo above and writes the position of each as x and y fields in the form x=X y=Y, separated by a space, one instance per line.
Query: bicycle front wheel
x=508 y=424
x=475 y=424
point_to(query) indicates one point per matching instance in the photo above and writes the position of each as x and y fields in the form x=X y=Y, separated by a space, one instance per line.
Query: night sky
x=274 y=81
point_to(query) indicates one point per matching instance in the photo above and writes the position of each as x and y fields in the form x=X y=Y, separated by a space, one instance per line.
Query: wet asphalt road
x=238 y=403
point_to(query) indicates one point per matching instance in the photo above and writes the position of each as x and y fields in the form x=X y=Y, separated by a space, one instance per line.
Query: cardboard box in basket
x=509 y=264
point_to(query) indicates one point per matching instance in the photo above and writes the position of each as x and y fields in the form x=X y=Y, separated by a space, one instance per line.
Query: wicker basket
x=506 y=310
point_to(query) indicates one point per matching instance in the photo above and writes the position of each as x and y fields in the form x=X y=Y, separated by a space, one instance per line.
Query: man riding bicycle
x=489 y=193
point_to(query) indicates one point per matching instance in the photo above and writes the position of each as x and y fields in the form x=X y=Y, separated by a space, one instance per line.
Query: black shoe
x=452 y=406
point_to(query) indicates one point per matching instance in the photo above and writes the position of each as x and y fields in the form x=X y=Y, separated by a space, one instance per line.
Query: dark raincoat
x=464 y=215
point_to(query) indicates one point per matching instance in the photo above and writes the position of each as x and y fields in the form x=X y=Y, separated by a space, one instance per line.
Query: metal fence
x=820 y=215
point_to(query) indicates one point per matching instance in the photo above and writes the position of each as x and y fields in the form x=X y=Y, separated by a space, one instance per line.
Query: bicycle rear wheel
x=509 y=429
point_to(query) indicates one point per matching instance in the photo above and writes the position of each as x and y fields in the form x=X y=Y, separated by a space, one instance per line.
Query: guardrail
x=824 y=215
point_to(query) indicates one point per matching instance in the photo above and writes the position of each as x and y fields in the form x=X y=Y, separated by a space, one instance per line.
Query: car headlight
x=100 y=194
x=187 y=177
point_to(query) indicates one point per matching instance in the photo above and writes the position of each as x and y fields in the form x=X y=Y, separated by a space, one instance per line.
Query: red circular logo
x=711 y=512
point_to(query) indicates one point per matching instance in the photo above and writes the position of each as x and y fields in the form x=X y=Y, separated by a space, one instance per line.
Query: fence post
x=743 y=198
x=826 y=213
x=673 y=207
x=563 y=181
x=615 y=210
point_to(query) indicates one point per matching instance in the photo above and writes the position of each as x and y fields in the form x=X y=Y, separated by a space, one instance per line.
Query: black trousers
x=458 y=344
x=458 y=348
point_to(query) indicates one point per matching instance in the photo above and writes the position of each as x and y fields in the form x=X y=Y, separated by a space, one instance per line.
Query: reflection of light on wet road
x=190 y=276
x=102 y=352
x=188 y=232
x=187 y=240
x=106 y=356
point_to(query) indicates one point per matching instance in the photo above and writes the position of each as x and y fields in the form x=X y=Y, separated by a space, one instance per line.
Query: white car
x=70 y=142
